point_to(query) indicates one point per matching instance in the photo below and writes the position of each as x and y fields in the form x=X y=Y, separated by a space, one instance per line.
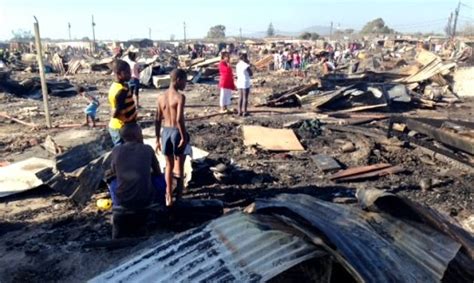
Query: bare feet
x=169 y=200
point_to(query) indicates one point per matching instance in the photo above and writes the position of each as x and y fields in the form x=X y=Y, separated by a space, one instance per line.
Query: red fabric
x=226 y=76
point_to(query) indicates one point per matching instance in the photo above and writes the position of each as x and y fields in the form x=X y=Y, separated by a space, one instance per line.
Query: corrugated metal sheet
x=234 y=248
x=399 y=207
x=378 y=247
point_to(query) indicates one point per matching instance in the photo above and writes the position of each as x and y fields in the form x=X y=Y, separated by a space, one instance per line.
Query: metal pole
x=184 y=30
x=44 y=88
x=69 y=28
x=456 y=14
x=149 y=33
x=93 y=34
x=330 y=32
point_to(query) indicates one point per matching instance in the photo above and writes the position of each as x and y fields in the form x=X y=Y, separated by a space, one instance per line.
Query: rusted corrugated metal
x=234 y=248
x=375 y=247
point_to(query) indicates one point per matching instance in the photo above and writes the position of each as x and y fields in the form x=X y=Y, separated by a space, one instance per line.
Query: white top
x=276 y=59
x=134 y=68
x=243 y=77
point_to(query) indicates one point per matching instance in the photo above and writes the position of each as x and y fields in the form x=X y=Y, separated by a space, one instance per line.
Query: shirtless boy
x=170 y=111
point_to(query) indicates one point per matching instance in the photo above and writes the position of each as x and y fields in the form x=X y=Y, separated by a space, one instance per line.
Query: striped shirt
x=121 y=99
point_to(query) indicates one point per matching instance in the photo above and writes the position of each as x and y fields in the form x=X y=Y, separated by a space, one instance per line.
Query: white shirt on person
x=243 y=76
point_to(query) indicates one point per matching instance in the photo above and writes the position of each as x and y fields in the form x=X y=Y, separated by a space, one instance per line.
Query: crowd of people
x=138 y=186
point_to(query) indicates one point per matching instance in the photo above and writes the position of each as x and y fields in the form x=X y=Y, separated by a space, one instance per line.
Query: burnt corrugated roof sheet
x=376 y=247
x=234 y=248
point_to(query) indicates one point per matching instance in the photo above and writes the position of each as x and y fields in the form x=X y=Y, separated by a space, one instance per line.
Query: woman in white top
x=243 y=83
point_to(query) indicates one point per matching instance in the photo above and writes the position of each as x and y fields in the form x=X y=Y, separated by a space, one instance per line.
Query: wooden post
x=44 y=88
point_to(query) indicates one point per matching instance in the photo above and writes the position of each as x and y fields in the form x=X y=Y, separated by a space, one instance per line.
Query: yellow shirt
x=120 y=97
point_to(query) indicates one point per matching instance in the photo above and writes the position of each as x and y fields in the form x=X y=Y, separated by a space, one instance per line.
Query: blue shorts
x=134 y=82
x=115 y=136
x=157 y=181
x=170 y=139
x=91 y=109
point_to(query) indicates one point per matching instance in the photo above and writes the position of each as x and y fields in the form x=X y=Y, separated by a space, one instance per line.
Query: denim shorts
x=115 y=135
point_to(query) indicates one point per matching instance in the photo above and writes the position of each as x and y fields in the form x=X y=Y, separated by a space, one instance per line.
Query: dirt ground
x=43 y=234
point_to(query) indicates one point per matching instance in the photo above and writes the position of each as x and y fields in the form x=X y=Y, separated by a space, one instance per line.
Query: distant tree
x=309 y=36
x=376 y=26
x=172 y=37
x=314 y=36
x=216 y=32
x=305 y=36
x=85 y=38
x=349 y=31
x=270 y=30
x=22 y=35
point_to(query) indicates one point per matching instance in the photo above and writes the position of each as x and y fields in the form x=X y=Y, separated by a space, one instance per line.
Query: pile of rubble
x=427 y=83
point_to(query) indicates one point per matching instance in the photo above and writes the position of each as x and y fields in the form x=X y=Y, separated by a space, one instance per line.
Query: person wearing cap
x=226 y=82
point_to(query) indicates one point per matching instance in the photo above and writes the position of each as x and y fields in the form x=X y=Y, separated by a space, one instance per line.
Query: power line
x=467 y=6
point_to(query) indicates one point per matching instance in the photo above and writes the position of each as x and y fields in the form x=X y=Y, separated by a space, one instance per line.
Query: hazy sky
x=124 y=19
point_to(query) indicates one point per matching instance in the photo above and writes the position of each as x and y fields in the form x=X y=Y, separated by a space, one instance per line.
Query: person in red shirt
x=226 y=82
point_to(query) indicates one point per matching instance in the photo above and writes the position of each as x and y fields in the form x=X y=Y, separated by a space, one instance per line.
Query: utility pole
x=149 y=33
x=330 y=31
x=44 y=88
x=184 y=30
x=240 y=31
x=449 y=29
x=93 y=34
x=69 y=28
x=456 y=14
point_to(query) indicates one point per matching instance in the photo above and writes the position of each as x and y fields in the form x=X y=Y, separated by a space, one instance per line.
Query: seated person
x=135 y=192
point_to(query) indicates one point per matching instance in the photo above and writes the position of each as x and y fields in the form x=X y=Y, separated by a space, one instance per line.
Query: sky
x=126 y=19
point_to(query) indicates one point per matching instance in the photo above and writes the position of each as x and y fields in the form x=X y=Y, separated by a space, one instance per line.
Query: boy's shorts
x=115 y=136
x=134 y=82
x=91 y=109
x=170 y=139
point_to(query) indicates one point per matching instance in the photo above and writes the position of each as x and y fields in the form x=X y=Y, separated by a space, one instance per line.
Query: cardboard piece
x=271 y=139
x=22 y=176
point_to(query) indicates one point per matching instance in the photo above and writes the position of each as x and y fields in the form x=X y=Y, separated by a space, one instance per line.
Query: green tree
x=376 y=26
x=309 y=36
x=216 y=32
x=22 y=35
x=305 y=35
x=270 y=30
x=314 y=36
x=349 y=31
